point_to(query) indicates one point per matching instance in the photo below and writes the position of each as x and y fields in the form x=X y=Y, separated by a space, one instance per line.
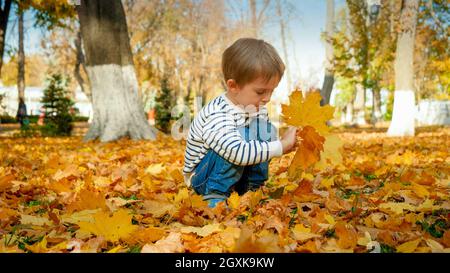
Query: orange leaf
x=308 y=247
x=147 y=235
x=5 y=182
x=308 y=151
x=304 y=192
x=348 y=237
x=88 y=200
x=446 y=238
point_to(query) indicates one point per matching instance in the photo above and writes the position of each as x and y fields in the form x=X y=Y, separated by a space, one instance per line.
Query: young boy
x=231 y=140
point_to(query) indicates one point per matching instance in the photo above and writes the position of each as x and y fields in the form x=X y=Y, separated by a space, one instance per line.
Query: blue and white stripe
x=216 y=127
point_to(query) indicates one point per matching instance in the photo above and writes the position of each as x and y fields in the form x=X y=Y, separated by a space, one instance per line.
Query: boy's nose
x=264 y=101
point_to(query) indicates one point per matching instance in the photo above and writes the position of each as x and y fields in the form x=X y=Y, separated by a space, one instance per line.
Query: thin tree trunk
x=201 y=90
x=359 y=105
x=349 y=113
x=79 y=65
x=4 y=15
x=283 y=43
x=187 y=98
x=376 y=104
x=328 y=81
x=254 y=19
x=403 y=116
x=21 y=60
x=118 y=109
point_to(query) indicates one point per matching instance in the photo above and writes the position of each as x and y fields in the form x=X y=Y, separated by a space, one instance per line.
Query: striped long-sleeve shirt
x=216 y=127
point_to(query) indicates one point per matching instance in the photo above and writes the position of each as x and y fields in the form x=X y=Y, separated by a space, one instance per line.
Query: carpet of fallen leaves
x=65 y=195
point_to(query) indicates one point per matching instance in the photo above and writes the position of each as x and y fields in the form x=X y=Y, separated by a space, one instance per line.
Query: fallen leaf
x=301 y=233
x=34 y=220
x=234 y=200
x=171 y=244
x=155 y=169
x=409 y=247
x=347 y=236
x=111 y=228
x=202 y=231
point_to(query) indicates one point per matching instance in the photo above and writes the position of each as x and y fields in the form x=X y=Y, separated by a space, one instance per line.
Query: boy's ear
x=232 y=85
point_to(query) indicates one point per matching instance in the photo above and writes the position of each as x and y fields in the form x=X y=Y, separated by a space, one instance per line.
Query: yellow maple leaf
x=116 y=249
x=111 y=228
x=327 y=182
x=420 y=191
x=234 y=200
x=397 y=208
x=181 y=195
x=40 y=247
x=303 y=111
x=198 y=202
x=302 y=233
x=409 y=247
x=330 y=219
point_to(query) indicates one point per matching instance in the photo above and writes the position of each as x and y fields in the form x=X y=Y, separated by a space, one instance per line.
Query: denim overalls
x=215 y=177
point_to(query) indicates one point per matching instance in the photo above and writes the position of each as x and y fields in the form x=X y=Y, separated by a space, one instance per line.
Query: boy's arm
x=222 y=136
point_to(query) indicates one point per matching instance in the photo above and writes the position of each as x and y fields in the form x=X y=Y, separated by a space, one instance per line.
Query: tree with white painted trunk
x=118 y=110
x=403 y=115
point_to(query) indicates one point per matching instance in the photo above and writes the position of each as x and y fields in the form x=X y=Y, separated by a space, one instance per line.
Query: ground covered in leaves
x=64 y=195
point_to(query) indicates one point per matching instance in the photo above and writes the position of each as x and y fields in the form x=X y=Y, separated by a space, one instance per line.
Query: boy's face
x=255 y=93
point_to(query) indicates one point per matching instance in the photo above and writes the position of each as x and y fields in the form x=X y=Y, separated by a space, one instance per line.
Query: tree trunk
x=21 y=60
x=187 y=98
x=256 y=16
x=328 y=81
x=350 y=111
x=118 y=109
x=360 y=105
x=349 y=114
x=376 y=104
x=253 y=18
x=201 y=91
x=4 y=15
x=283 y=43
x=403 y=115
x=80 y=63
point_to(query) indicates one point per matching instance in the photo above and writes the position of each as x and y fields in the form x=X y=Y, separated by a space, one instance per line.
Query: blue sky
x=32 y=35
x=305 y=49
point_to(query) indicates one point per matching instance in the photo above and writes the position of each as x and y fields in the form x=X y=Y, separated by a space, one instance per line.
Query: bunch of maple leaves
x=340 y=192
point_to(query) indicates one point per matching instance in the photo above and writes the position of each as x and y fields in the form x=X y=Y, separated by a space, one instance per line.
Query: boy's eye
x=260 y=92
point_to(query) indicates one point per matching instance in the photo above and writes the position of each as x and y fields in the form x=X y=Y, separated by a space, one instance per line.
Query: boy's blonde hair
x=249 y=58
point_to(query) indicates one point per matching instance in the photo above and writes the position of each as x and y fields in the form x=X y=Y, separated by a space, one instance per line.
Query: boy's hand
x=289 y=140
